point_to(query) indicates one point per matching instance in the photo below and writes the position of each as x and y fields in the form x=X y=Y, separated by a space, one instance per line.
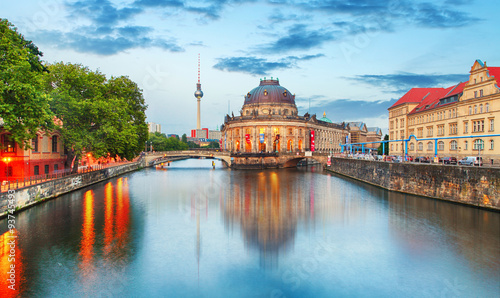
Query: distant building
x=172 y=136
x=153 y=127
x=464 y=114
x=269 y=122
x=46 y=157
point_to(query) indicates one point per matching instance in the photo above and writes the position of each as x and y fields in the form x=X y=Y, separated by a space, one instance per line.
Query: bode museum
x=269 y=122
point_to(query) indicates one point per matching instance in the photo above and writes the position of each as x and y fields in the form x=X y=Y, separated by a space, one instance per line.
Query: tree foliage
x=104 y=117
x=24 y=107
x=382 y=147
x=162 y=143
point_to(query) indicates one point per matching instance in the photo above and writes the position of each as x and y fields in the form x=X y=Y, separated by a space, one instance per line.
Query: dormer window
x=265 y=92
x=284 y=93
x=248 y=94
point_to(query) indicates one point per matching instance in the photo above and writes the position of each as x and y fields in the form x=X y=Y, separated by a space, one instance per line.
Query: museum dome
x=268 y=92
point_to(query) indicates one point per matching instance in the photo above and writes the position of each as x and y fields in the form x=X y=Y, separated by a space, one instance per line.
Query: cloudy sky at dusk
x=349 y=58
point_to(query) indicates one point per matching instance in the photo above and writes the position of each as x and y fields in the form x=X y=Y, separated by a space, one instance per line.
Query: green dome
x=324 y=119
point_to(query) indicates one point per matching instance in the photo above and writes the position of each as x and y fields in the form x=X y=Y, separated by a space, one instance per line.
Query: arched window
x=487 y=107
x=420 y=146
x=475 y=109
x=478 y=144
x=470 y=110
x=492 y=145
x=34 y=143
x=466 y=145
x=412 y=147
x=453 y=145
x=441 y=146
x=429 y=146
x=480 y=108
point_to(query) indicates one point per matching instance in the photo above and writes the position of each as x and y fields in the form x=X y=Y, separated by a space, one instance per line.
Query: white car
x=471 y=161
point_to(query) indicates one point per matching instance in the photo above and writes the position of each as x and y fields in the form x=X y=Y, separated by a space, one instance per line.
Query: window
x=466 y=127
x=441 y=146
x=478 y=144
x=420 y=146
x=46 y=169
x=475 y=94
x=481 y=93
x=492 y=124
x=453 y=145
x=54 y=143
x=430 y=131
x=402 y=123
x=453 y=128
x=420 y=132
x=470 y=110
x=37 y=170
x=480 y=108
x=429 y=146
x=56 y=167
x=8 y=144
x=392 y=148
x=487 y=107
x=466 y=145
x=492 y=144
x=402 y=134
x=412 y=147
x=449 y=113
x=34 y=143
x=290 y=131
x=475 y=109
x=478 y=126
x=440 y=130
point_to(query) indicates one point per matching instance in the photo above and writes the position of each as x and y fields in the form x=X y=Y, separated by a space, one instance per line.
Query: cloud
x=391 y=12
x=259 y=66
x=340 y=110
x=403 y=81
x=430 y=15
x=298 y=37
x=124 y=39
x=101 y=12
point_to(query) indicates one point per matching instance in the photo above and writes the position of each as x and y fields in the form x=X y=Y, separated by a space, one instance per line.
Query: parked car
x=471 y=161
x=422 y=159
x=449 y=160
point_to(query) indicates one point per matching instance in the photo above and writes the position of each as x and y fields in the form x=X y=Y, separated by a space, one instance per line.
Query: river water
x=194 y=231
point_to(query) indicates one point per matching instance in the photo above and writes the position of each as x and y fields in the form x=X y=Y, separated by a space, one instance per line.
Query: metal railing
x=37 y=179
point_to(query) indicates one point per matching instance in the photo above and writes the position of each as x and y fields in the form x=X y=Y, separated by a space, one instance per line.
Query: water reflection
x=11 y=265
x=267 y=207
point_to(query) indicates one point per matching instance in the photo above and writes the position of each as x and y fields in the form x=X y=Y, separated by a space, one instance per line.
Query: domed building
x=269 y=122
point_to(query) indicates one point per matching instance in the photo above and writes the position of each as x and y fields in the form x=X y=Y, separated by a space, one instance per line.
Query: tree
x=212 y=145
x=162 y=143
x=24 y=107
x=105 y=118
x=386 y=146
x=184 y=138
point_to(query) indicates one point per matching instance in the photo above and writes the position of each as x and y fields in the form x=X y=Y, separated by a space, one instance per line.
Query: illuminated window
x=8 y=144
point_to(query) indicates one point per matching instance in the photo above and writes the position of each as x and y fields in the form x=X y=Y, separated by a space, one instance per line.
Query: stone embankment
x=31 y=195
x=477 y=186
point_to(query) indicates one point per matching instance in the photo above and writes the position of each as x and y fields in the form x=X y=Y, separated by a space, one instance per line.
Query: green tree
x=386 y=146
x=184 y=138
x=212 y=145
x=24 y=106
x=106 y=118
x=162 y=143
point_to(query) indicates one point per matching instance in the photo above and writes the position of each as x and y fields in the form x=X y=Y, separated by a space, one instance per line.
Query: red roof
x=415 y=95
x=495 y=71
x=432 y=100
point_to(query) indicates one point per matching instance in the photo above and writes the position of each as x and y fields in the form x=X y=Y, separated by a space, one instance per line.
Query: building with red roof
x=434 y=117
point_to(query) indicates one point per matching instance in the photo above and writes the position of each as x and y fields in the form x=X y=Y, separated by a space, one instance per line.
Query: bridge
x=242 y=160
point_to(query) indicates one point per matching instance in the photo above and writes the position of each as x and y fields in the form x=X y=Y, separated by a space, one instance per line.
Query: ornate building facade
x=269 y=122
x=456 y=121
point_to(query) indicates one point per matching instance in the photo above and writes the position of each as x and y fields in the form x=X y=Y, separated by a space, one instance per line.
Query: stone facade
x=269 y=122
x=464 y=114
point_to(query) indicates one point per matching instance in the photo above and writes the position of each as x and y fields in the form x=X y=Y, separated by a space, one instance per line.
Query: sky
x=349 y=58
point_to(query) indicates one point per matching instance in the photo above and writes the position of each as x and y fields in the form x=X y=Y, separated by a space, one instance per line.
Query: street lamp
x=6 y=160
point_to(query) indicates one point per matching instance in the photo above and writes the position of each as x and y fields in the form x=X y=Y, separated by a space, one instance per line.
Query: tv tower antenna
x=198 y=94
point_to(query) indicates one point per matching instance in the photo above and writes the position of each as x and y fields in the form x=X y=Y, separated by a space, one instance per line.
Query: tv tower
x=198 y=94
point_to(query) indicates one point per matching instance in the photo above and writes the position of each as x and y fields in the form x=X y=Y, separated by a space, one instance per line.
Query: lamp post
x=6 y=160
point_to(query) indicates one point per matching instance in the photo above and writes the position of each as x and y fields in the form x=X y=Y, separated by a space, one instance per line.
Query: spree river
x=194 y=231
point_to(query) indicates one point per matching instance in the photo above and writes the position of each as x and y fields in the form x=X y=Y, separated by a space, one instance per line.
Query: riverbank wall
x=476 y=186
x=22 y=198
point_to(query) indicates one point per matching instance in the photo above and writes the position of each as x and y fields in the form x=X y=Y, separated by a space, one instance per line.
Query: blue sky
x=349 y=58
